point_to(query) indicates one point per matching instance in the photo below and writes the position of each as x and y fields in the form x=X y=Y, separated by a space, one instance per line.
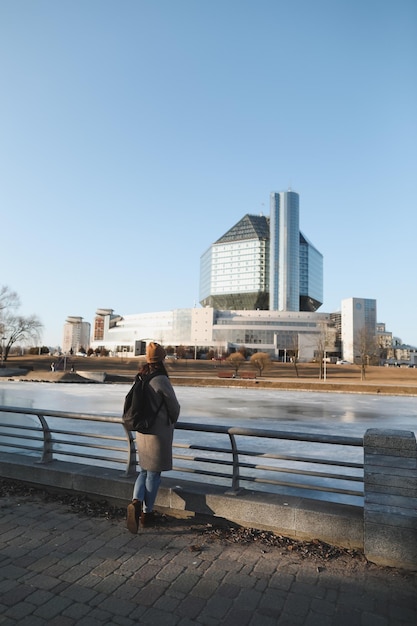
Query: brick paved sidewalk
x=59 y=568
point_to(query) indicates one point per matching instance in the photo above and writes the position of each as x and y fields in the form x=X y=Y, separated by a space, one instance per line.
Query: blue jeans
x=146 y=487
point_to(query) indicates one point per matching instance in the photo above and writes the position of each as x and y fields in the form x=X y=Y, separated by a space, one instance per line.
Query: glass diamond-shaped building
x=264 y=263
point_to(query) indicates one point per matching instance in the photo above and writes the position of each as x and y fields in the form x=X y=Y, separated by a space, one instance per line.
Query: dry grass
x=392 y=380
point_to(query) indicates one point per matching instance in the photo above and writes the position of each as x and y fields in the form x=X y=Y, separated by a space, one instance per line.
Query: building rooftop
x=249 y=227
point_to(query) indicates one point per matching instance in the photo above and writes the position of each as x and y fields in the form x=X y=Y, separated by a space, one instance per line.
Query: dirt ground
x=392 y=380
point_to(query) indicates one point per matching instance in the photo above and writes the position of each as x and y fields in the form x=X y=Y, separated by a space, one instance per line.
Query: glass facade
x=205 y=275
x=311 y=276
x=284 y=289
x=264 y=263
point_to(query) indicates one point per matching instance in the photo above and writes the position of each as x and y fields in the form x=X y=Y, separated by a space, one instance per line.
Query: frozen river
x=336 y=413
x=303 y=412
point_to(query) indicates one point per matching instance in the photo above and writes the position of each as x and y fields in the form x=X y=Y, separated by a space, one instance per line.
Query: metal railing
x=265 y=459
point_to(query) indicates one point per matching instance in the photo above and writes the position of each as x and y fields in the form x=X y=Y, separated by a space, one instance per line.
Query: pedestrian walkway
x=57 y=567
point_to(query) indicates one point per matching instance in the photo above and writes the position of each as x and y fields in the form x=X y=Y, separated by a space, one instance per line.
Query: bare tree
x=260 y=360
x=236 y=359
x=321 y=349
x=366 y=349
x=181 y=352
x=8 y=300
x=325 y=343
x=294 y=351
x=13 y=327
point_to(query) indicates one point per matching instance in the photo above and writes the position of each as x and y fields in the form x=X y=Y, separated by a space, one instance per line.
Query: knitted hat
x=155 y=353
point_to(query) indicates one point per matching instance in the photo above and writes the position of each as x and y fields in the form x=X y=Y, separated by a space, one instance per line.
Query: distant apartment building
x=385 y=342
x=264 y=263
x=76 y=335
x=358 y=323
x=404 y=353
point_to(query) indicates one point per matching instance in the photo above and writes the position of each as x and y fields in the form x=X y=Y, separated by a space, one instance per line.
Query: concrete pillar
x=390 y=509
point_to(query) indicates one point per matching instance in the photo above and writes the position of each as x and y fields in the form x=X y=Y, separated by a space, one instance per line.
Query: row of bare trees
x=15 y=328
x=367 y=352
x=366 y=349
x=260 y=361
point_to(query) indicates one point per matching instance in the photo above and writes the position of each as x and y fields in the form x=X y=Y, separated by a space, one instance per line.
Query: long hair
x=149 y=368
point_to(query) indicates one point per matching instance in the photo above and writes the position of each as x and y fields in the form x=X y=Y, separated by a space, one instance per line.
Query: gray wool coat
x=155 y=448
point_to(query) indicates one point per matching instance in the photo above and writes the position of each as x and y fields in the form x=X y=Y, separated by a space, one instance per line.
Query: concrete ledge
x=388 y=440
x=336 y=524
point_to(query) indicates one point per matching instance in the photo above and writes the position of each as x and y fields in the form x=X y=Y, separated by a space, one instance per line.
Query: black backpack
x=137 y=412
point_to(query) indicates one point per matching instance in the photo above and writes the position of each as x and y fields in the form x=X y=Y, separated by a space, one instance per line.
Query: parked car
x=342 y=362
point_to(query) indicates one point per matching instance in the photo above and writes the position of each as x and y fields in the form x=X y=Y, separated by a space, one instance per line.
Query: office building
x=359 y=327
x=264 y=263
x=284 y=260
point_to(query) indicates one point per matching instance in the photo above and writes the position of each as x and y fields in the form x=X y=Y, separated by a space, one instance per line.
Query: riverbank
x=339 y=378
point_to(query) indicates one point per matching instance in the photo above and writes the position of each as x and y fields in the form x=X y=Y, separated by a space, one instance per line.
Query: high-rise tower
x=284 y=252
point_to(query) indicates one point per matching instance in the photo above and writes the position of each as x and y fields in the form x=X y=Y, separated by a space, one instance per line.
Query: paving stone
x=156 y=617
x=185 y=583
x=32 y=620
x=76 y=610
x=52 y=608
x=100 y=574
x=218 y=607
x=63 y=620
x=18 y=611
x=17 y=593
x=78 y=593
x=237 y=617
x=191 y=606
x=205 y=588
x=170 y=572
x=150 y=593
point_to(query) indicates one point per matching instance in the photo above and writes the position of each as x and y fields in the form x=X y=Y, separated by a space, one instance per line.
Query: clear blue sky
x=133 y=134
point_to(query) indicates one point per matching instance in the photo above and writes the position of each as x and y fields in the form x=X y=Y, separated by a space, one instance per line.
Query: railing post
x=235 y=471
x=47 y=452
x=390 y=509
x=131 y=460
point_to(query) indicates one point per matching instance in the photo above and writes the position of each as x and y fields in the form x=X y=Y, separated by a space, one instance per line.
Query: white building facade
x=358 y=318
x=203 y=329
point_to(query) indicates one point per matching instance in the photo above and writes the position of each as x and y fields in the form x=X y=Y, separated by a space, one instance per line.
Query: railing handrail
x=202 y=464
x=229 y=430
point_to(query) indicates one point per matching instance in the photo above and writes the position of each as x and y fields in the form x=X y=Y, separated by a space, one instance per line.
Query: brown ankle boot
x=134 y=511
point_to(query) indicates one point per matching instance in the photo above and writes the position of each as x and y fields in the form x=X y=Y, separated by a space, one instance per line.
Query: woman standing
x=155 y=447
